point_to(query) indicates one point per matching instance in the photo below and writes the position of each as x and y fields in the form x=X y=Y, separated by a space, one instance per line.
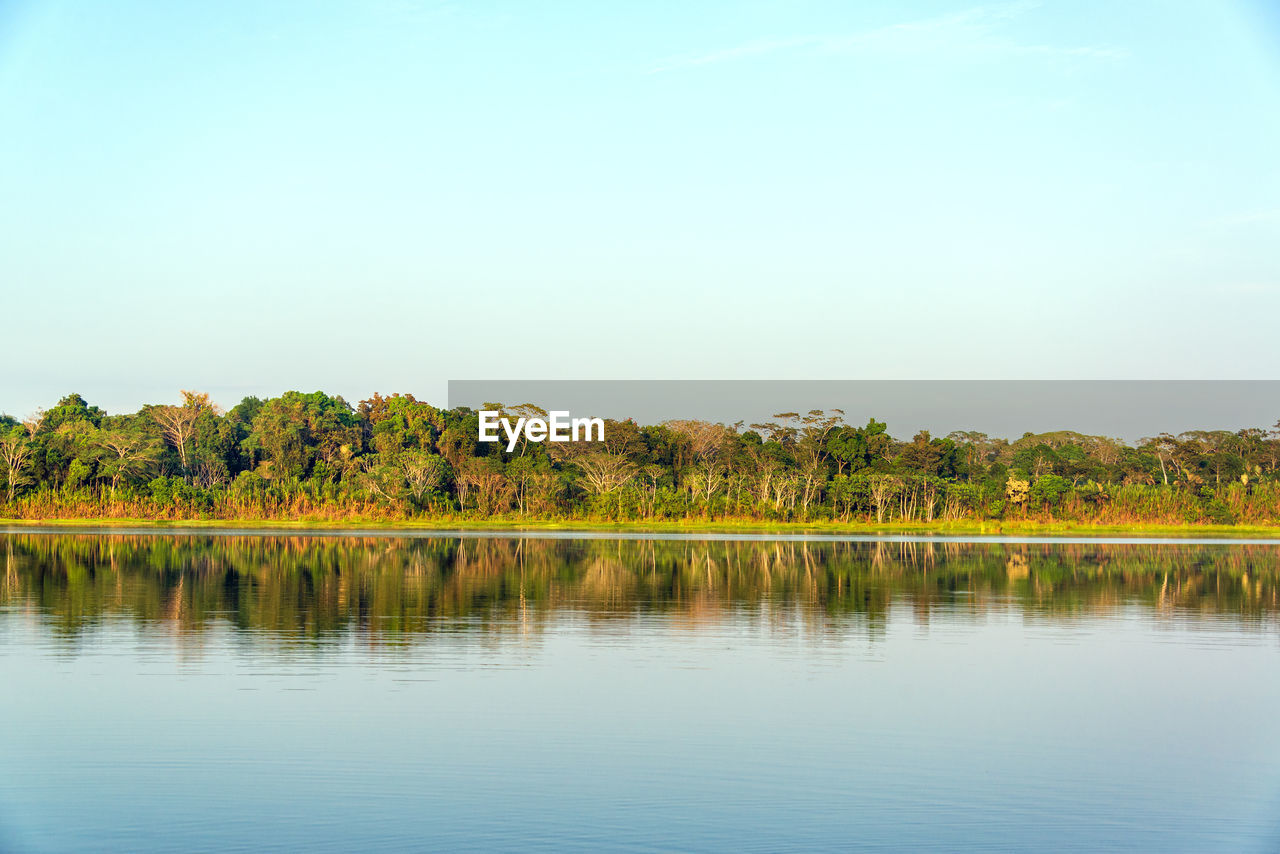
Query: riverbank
x=954 y=528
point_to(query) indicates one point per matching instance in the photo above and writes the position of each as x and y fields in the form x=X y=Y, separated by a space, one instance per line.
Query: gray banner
x=1122 y=409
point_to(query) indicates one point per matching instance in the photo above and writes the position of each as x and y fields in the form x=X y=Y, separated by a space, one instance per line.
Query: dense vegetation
x=315 y=457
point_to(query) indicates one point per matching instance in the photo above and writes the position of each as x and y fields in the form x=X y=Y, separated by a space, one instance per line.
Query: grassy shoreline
x=1004 y=528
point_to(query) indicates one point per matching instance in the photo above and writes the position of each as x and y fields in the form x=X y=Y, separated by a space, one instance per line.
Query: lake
x=235 y=691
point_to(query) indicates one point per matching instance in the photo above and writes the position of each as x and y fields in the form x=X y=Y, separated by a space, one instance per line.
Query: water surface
x=214 y=691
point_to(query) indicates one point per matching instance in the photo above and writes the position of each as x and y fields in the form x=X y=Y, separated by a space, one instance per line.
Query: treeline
x=315 y=457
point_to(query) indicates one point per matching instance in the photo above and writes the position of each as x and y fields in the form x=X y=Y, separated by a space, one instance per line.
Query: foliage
x=305 y=456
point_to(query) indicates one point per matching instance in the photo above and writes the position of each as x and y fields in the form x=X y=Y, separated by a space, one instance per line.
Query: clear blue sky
x=247 y=197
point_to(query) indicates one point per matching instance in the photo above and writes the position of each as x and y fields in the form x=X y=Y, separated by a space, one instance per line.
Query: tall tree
x=178 y=423
x=15 y=450
x=125 y=454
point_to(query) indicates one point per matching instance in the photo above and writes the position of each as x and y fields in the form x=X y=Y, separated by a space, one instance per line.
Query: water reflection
x=291 y=589
x=336 y=693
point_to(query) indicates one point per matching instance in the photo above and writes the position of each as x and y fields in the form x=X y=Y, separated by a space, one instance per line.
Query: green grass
x=1007 y=528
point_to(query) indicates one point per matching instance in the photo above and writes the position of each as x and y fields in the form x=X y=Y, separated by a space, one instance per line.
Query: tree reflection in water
x=391 y=590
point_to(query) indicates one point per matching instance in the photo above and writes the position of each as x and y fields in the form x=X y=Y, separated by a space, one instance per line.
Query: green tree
x=295 y=432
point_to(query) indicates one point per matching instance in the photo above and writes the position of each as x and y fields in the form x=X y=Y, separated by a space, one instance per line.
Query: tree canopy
x=314 y=454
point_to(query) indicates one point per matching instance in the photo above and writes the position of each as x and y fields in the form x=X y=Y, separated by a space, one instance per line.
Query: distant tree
x=178 y=422
x=33 y=422
x=15 y=450
x=71 y=408
x=702 y=437
x=399 y=421
x=857 y=448
x=705 y=481
x=296 y=431
x=483 y=477
x=423 y=473
x=1049 y=490
x=604 y=473
x=939 y=457
x=1016 y=491
x=883 y=489
x=125 y=454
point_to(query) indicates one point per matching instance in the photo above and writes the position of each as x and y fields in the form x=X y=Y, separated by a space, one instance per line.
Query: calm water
x=243 y=692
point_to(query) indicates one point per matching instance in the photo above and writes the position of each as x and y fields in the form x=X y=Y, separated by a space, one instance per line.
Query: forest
x=315 y=457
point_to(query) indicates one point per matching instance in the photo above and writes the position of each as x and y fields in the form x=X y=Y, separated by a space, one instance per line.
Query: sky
x=245 y=198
